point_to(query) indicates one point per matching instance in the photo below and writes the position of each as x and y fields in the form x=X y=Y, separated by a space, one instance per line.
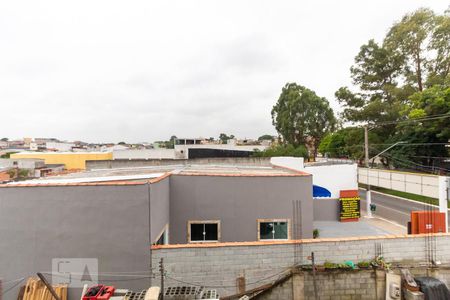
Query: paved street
x=392 y=208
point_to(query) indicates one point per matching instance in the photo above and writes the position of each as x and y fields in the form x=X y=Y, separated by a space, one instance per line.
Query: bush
x=364 y=264
x=283 y=150
x=316 y=233
x=330 y=265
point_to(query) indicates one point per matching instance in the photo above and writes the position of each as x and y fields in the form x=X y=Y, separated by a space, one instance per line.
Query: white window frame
x=287 y=221
x=190 y=222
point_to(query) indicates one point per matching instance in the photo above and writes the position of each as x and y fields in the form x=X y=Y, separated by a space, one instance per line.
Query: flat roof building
x=115 y=215
x=71 y=160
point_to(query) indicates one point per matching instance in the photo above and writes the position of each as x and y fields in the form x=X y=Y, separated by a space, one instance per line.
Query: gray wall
x=261 y=264
x=326 y=209
x=130 y=163
x=110 y=223
x=237 y=202
x=160 y=203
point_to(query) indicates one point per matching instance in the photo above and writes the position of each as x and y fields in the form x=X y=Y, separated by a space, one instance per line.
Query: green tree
x=347 y=143
x=439 y=68
x=4 y=139
x=375 y=73
x=424 y=138
x=224 y=138
x=301 y=117
x=283 y=150
x=413 y=56
x=409 y=38
x=266 y=137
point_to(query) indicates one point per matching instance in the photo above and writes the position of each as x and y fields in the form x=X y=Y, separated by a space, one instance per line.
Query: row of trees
x=404 y=78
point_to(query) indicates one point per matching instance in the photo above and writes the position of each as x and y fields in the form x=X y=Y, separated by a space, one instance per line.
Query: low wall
x=219 y=265
x=415 y=183
x=130 y=163
x=339 y=284
x=326 y=209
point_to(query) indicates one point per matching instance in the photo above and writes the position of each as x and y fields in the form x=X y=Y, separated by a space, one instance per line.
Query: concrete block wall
x=341 y=285
x=219 y=265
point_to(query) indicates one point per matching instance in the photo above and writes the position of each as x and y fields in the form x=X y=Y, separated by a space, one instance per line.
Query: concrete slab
x=364 y=227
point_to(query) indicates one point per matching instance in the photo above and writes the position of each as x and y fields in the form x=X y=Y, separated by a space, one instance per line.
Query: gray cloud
x=141 y=71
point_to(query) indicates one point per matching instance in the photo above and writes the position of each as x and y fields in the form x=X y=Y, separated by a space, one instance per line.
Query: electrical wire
x=107 y=277
x=224 y=286
x=13 y=280
x=412 y=163
x=428 y=118
x=12 y=287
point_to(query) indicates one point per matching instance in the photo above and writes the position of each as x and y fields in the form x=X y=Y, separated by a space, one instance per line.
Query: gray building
x=115 y=215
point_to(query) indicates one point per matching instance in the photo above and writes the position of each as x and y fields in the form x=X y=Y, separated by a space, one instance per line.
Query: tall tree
x=375 y=72
x=439 y=68
x=409 y=38
x=301 y=117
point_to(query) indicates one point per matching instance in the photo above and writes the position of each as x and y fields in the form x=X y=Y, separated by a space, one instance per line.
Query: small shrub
x=364 y=264
x=330 y=265
x=379 y=262
x=316 y=233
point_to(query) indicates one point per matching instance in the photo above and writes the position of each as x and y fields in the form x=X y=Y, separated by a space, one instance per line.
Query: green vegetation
x=330 y=265
x=7 y=155
x=224 y=138
x=170 y=144
x=18 y=174
x=364 y=264
x=316 y=233
x=403 y=78
x=282 y=150
x=266 y=137
x=301 y=117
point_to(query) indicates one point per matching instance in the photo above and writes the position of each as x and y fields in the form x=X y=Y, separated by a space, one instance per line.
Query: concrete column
x=443 y=197
x=380 y=284
x=368 y=202
x=298 y=286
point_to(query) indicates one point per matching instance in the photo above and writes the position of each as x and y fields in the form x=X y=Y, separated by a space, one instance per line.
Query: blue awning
x=319 y=191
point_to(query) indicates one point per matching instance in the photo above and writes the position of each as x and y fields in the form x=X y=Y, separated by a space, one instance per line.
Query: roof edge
x=293 y=242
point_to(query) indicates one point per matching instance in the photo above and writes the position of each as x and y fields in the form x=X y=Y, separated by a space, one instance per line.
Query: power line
x=407 y=162
x=233 y=286
x=11 y=288
x=433 y=117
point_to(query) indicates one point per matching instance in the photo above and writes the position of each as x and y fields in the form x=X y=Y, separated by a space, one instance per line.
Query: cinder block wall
x=219 y=266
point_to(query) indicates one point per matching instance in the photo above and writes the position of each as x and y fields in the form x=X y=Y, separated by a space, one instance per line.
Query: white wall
x=296 y=163
x=63 y=147
x=334 y=178
x=159 y=153
x=414 y=183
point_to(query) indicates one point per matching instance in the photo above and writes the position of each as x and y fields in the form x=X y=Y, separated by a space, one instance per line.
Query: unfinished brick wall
x=344 y=285
x=331 y=285
x=219 y=265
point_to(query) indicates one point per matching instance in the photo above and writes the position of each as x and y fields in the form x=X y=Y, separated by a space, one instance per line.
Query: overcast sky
x=143 y=71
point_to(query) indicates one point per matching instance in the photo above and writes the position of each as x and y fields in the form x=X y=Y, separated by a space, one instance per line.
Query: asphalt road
x=392 y=208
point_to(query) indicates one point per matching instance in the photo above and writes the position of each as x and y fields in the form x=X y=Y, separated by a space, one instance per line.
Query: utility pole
x=313 y=262
x=161 y=270
x=366 y=150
